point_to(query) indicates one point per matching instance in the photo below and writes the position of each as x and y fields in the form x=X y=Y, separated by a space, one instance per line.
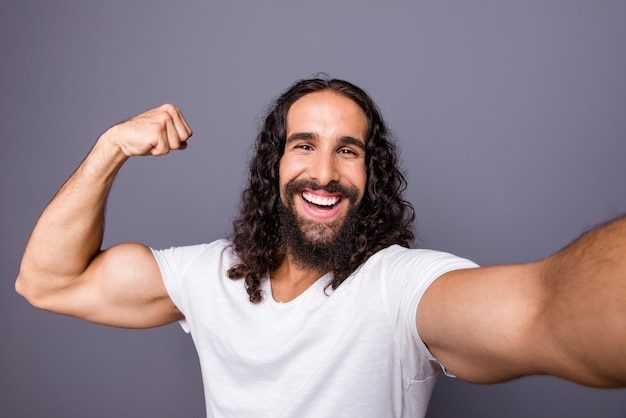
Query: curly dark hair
x=386 y=218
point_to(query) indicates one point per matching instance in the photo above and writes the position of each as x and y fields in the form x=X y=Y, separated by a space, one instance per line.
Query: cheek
x=360 y=180
x=290 y=168
x=281 y=182
x=285 y=174
x=285 y=170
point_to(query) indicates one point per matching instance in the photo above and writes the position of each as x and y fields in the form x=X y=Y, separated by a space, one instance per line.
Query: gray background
x=510 y=117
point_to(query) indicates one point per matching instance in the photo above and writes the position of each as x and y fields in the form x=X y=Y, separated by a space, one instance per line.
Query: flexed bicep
x=122 y=287
x=63 y=268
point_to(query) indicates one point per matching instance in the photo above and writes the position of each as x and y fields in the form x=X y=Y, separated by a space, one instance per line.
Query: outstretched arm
x=564 y=315
x=63 y=268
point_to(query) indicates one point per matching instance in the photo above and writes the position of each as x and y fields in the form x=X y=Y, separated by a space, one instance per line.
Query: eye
x=348 y=152
x=305 y=147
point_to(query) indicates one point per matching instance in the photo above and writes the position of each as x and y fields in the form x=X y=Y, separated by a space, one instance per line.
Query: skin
x=63 y=269
x=564 y=315
x=325 y=142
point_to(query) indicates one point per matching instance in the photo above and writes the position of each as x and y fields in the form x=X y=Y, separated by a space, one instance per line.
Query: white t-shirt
x=352 y=352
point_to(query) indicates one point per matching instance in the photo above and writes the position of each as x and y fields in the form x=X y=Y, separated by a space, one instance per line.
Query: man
x=317 y=307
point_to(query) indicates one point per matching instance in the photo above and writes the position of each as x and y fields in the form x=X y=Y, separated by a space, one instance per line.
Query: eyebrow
x=348 y=140
x=300 y=135
x=344 y=140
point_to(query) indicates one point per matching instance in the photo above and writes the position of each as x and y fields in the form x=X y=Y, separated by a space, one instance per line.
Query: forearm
x=63 y=269
x=585 y=307
x=69 y=232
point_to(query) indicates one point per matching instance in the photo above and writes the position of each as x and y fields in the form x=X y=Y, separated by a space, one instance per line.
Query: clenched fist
x=154 y=132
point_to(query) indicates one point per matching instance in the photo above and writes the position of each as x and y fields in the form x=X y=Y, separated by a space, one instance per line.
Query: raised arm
x=564 y=315
x=63 y=268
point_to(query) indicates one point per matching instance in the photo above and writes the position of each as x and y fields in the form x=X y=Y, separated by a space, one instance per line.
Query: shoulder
x=404 y=274
x=195 y=250
x=412 y=261
x=198 y=255
x=195 y=270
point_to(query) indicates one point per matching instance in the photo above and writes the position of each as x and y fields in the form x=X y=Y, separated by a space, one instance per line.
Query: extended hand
x=154 y=132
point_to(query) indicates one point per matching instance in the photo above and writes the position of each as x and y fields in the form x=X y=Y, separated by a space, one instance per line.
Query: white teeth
x=320 y=200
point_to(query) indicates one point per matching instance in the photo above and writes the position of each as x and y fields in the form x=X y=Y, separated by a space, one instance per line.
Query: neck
x=290 y=280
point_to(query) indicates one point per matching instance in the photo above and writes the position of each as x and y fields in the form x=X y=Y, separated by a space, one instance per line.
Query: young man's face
x=322 y=171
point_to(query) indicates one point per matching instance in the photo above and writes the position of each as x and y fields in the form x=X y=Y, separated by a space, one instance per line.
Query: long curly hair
x=385 y=217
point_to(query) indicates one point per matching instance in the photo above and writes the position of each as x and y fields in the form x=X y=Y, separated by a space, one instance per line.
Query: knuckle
x=163 y=117
x=168 y=107
x=160 y=151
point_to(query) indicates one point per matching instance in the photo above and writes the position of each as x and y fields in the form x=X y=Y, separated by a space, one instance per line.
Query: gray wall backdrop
x=511 y=117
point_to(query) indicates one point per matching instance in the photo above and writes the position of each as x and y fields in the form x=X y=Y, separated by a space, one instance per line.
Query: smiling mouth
x=327 y=202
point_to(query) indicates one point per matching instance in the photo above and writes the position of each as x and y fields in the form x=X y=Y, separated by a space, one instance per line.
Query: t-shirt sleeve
x=408 y=273
x=174 y=263
x=171 y=261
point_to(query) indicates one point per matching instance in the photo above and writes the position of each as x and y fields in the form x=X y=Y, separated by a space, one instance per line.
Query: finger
x=185 y=124
x=161 y=146
x=178 y=119
x=174 y=139
x=161 y=134
x=166 y=128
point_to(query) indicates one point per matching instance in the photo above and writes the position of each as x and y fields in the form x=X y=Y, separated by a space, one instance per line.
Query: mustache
x=296 y=186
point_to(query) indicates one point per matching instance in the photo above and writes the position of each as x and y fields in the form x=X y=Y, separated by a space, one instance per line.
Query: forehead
x=326 y=111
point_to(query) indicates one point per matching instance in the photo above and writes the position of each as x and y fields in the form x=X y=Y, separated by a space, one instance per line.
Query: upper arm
x=483 y=323
x=122 y=286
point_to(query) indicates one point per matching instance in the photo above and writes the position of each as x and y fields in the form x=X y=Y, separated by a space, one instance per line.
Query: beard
x=318 y=245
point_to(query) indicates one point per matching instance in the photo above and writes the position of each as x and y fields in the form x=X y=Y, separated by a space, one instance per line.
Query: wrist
x=105 y=158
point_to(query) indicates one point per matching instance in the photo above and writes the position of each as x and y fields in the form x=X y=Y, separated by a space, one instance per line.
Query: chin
x=317 y=233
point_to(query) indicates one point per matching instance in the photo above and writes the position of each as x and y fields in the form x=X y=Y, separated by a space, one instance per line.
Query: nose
x=324 y=168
